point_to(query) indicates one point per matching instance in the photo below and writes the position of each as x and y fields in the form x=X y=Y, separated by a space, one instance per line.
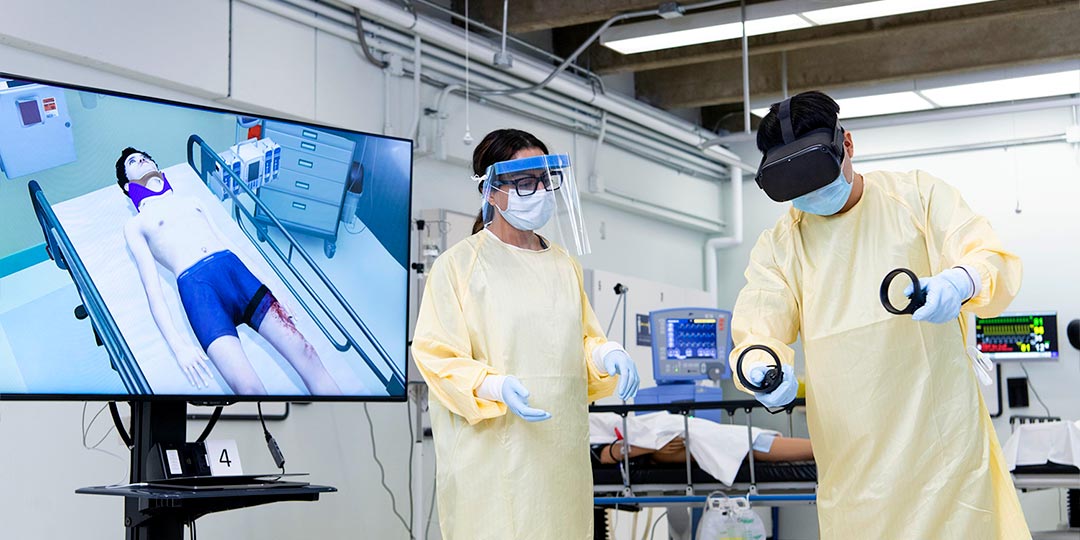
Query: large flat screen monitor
x=160 y=250
x=1018 y=336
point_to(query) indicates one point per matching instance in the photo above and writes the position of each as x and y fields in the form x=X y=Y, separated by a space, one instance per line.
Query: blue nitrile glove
x=516 y=398
x=783 y=394
x=945 y=293
x=618 y=362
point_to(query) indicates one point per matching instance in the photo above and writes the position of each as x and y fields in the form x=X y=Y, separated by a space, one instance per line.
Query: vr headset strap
x=786 y=129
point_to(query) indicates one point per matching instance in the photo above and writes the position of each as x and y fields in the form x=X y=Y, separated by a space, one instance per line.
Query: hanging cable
x=271 y=443
x=468 y=134
x=210 y=425
x=381 y=64
x=652 y=535
x=614 y=313
x=382 y=475
x=120 y=426
x=431 y=511
x=592 y=38
x=1033 y=391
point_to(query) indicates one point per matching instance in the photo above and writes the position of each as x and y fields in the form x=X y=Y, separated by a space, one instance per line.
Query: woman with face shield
x=513 y=353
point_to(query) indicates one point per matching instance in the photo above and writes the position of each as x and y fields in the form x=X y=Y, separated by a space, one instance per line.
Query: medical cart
x=308 y=194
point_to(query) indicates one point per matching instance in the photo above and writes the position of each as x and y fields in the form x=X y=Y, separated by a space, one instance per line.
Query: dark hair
x=121 y=174
x=500 y=145
x=809 y=111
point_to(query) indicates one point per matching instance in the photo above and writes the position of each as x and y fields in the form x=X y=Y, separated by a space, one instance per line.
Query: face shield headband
x=800 y=166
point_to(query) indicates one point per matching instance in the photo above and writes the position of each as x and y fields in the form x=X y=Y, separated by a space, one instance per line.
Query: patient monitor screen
x=691 y=339
x=1019 y=336
x=158 y=250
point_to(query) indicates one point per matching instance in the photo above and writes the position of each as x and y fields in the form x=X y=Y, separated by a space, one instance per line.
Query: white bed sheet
x=95 y=223
x=1041 y=443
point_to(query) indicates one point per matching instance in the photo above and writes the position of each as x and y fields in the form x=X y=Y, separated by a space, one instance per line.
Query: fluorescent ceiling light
x=1034 y=86
x=768 y=18
x=882 y=104
x=875 y=105
x=880 y=8
x=704 y=34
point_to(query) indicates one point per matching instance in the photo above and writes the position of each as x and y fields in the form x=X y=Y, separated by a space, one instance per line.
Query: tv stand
x=160 y=514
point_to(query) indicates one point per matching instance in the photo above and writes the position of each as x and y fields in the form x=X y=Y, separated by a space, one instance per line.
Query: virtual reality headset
x=800 y=166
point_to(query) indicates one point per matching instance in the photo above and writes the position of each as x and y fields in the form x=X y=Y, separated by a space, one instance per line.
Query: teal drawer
x=314 y=148
x=322 y=167
x=306 y=185
x=293 y=209
x=308 y=134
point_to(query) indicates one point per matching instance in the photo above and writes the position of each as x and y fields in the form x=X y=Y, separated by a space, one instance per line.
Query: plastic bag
x=719 y=521
x=751 y=527
x=729 y=519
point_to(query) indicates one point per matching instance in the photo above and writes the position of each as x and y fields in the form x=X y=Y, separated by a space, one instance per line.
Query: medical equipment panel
x=271 y=160
x=311 y=180
x=690 y=344
x=35 y=129
x=255 y=161
x=1018 y=336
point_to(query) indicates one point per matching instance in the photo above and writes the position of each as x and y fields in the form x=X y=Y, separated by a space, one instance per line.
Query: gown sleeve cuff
x=491 y=388
x=976 y=279
x=600 y=352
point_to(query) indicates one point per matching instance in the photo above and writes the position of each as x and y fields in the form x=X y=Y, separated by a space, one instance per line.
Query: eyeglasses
x=526 y=185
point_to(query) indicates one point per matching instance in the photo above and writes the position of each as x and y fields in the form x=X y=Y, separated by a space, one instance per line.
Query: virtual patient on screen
x=217 y=290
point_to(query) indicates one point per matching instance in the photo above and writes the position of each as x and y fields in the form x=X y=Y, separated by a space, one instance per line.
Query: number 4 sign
x=224 y=458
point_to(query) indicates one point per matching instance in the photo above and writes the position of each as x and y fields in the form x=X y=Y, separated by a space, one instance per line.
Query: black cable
x=271 y=444
x=210 y=425
x=258 y=405
x=120 y=426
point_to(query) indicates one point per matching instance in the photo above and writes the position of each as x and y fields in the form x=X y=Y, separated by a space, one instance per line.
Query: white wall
x=1045 y=178
x=182 y=53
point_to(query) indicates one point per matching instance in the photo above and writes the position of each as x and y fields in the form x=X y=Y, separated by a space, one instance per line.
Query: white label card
x=175 y=468
x=224 y=458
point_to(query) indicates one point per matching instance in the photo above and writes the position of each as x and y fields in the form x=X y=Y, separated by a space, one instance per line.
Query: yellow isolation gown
x=903 y=441
x=492 y=308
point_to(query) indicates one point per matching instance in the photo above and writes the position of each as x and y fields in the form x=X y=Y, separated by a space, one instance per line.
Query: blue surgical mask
x=827 y=200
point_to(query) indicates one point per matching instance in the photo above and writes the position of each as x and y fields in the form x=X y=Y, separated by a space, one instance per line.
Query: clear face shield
x=534 y=192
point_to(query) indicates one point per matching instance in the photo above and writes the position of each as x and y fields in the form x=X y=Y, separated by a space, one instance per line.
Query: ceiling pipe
x=684 y=159
x=451 y=38
x=620 y=133
x=715 y=244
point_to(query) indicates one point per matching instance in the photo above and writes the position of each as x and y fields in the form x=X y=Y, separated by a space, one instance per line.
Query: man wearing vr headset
x=903 y=441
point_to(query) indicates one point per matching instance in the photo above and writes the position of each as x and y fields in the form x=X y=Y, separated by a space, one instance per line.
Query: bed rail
x=686 y=409
x=390 y=375
x=60 y=249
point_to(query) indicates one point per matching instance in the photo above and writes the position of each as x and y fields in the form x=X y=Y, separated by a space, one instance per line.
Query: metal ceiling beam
x=1026 y=37
x=533 y=15
x=606 y=61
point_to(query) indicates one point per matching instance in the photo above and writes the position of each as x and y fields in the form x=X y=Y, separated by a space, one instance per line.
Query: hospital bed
x=1048 y=475
x=640 y=483
x=326 y=318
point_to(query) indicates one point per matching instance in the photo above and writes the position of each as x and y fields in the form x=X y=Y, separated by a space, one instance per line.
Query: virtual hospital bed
x=84 y=237
x=637 y=483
